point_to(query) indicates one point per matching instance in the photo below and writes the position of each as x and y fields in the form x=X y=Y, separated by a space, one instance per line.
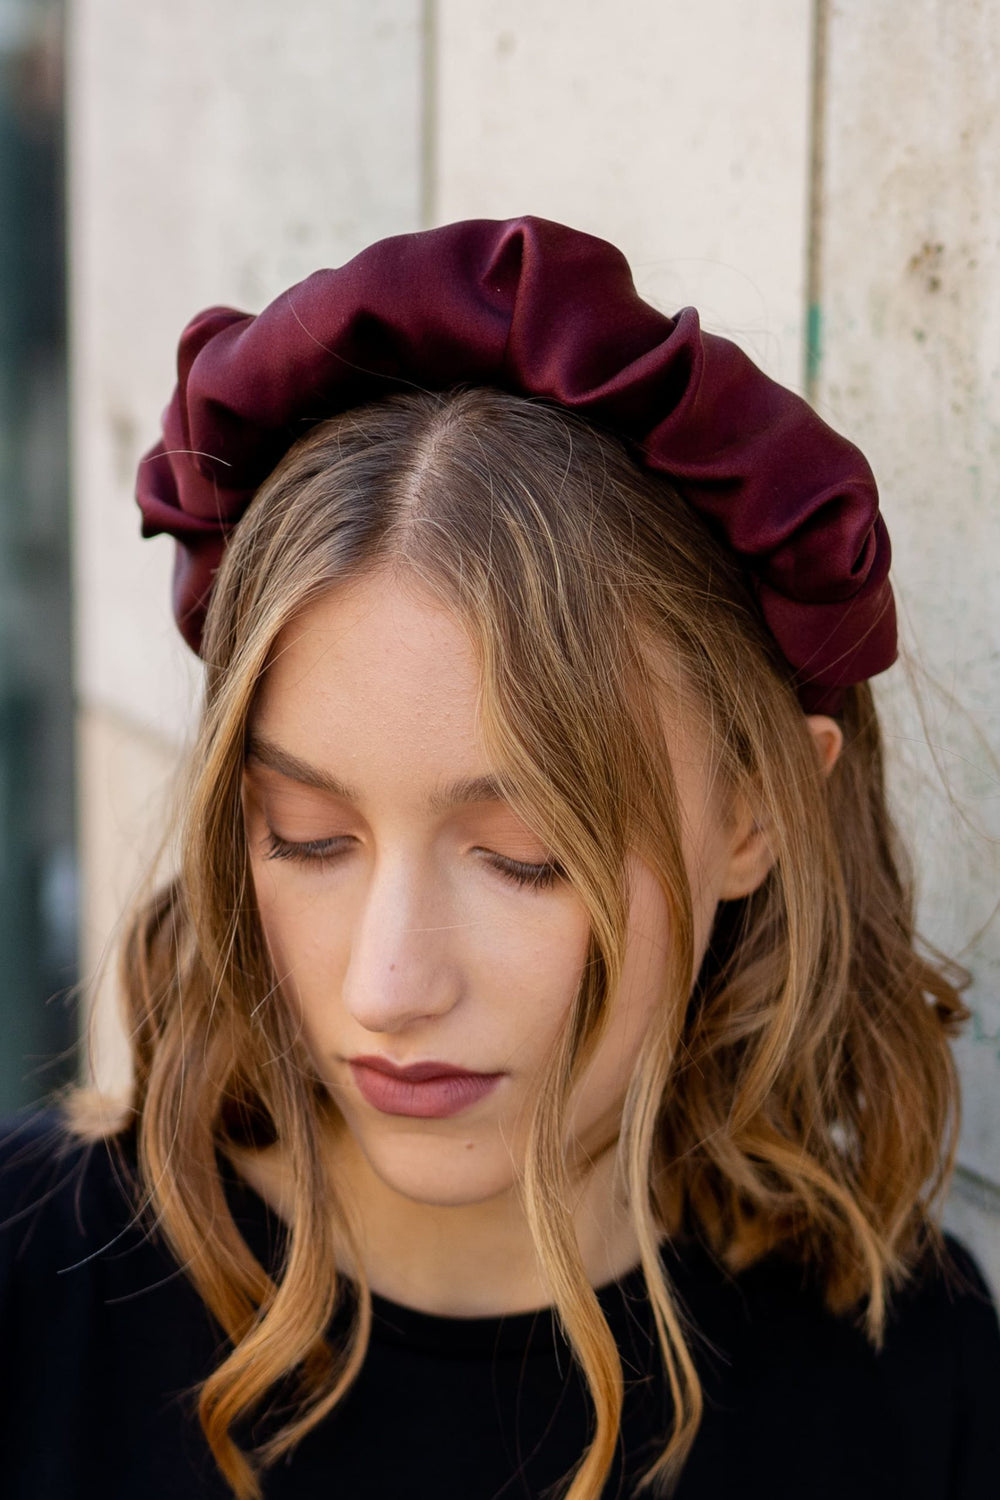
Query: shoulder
x=800 y=1401
x=942 y=1316
x=938 y=1374
x=942 y=1349
x=99 y=1325
x=942 y=1327
x=950 y=1286
x=61 y=1197
x=86 y=1280
x=918 y=1411
x=945 y=1288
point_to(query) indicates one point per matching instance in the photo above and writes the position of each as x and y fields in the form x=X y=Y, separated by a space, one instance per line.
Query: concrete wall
x=214 y=157
x=680 y=132
x=218 y=154
x=907 y=308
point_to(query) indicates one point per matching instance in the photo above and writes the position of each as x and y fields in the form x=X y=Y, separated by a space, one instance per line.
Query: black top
x=103 y=1337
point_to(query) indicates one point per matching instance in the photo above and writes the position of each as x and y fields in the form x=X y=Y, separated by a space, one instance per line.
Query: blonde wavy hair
x=800 y=1097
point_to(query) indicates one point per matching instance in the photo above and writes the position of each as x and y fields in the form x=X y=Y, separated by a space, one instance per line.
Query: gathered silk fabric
x=103 y=1340
x=543 y=310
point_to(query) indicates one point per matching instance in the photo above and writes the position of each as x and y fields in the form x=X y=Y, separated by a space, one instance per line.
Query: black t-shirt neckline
x=516 y=1334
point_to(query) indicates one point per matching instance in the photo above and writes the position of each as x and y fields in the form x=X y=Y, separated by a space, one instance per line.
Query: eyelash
x=322 y=851
x=535 y=877
x=314 y=851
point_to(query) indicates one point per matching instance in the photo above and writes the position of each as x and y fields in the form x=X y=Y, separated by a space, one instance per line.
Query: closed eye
x=537 y=877
x=311 y=851
x=321 y=851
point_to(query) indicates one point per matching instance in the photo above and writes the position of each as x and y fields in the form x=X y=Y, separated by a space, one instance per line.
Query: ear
x=750 y=856
x=828 y=737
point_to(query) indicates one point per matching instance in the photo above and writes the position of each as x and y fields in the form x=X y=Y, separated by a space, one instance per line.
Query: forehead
x=375 y=659
x=386 y=623
x=378 y=681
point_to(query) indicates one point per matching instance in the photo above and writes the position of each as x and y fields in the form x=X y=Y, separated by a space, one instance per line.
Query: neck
x=472 y=1260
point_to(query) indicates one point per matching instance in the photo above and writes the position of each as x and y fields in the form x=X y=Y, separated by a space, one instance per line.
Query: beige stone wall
x=127 y=780
x=908 y=312
x=219 y=152
x=680 y=132
x=214 y=156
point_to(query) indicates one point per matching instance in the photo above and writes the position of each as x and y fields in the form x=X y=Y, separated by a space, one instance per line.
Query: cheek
x=302 y=930
x=596 y=1112
x=514 y=963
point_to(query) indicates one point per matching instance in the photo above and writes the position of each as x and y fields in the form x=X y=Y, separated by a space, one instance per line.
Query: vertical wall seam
x=428 y=112
x=813 y=351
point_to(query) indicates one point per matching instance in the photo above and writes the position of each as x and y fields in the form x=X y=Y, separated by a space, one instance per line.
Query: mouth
x=426 y=1091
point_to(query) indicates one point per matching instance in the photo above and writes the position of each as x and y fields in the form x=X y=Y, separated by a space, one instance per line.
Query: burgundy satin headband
x=539 y=309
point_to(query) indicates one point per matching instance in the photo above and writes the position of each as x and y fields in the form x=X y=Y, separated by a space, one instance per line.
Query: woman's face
x=413 y=917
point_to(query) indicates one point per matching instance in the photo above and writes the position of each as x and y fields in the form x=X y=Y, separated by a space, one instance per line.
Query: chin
x=443 y=1172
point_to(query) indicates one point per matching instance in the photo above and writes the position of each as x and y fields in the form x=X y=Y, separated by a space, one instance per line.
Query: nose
x=403 y=962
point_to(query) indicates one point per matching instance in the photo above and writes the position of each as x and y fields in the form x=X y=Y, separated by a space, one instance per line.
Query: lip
x=427 y=1090
x=418 y=1072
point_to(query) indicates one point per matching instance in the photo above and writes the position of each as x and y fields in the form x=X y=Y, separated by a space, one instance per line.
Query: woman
x=535 y=1076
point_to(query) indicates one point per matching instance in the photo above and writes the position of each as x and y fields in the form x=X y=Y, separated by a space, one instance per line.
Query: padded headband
x=537 y=309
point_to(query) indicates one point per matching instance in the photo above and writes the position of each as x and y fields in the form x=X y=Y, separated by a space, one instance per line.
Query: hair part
x=796 y=1096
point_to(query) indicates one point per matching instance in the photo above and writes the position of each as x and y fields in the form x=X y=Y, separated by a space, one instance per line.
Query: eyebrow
x=452 y=794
